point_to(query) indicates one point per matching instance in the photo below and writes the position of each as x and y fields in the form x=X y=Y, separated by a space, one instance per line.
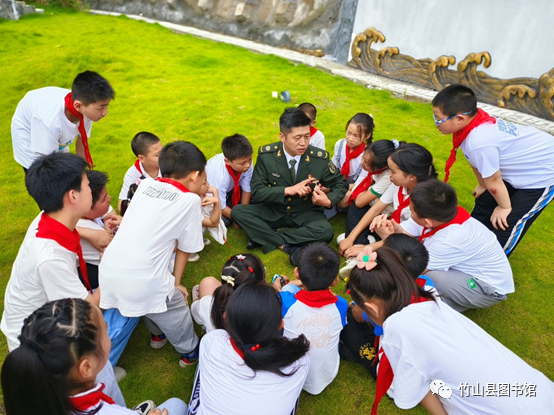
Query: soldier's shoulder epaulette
x=269 y=148
x=317 y=153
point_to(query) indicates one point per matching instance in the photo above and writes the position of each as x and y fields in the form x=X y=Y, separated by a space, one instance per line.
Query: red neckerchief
x=364 y=185
x=237 y=349
x=458 y=138
x=385 y=374
x=460 y=218
x=235 y=175
x=137 y=166
x=85 y=402
x=313 y=130
x=175 y=183
x=49 y=228
x=351 y=156
x=316 y=299
x=82 y=131
x=402 y=203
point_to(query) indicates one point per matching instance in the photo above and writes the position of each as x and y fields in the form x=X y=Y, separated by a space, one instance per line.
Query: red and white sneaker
x=157 y=342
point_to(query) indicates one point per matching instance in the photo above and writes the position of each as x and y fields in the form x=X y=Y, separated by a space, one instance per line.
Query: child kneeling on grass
x=134 y=272
x=316 y=313
x=426 y=340
x=64 y=345
x=211 y=296
x=249 y=368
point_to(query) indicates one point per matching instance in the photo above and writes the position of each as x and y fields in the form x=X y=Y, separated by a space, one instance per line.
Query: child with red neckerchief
x=48 y=119
x=425 y=340
x=64 y=346
x=317 y=138
x=146 y=147
x=513 y=164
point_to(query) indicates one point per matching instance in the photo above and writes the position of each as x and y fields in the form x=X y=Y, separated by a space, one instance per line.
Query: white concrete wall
x=519 y=34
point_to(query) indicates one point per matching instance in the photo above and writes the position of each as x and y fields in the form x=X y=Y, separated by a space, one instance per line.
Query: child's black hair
x=414 y=159
x=365 y=124
x=309 y=109
x=389 y=281
x=241 y=271
x=413 y=253
x=90 y=87
x=253 y=317
x=126 y=202
x=455 y=99
x=434 y=200
x=141 y=143
x=51 y=176
x=318 y=266
x=53 y=340
x=97 y=181
x=291 y=118
x=236 y=146
x=180 y=158
x=380 y=152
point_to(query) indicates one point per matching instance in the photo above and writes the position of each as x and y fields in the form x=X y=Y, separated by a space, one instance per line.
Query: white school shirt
x=39 y=125
x=339 y=158
x=318 y=140
x=430 y=341
x=524 y=155
x=320 y=316
x=380 y=184
x=131 y=177
x=106 y=408
x=224 y=385
x=201 y=311
x=134 y=273
x=390 y=197
x=43 y=271
x=219 y=177
x=470 y=248
x=91 y=255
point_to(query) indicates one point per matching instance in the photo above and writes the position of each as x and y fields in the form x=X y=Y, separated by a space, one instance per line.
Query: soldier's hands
x=300 y=189
x=319 y=198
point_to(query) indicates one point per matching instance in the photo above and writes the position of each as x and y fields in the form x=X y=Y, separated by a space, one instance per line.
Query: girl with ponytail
x=64 y=345
x=250 y=368
x=210 y=296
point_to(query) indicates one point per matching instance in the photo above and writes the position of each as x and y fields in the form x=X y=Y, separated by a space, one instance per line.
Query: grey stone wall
x=306 y=24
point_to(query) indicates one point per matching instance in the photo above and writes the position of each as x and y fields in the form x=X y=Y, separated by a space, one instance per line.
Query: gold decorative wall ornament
x=529 y=95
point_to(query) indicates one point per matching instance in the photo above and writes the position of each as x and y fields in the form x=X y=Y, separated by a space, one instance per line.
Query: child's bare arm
x=181 y=259
x=365 y=198
x=364 y=223
x=213 y=220
x=99 y=239
x=94 y=298
x=245 y=198
x=480 y=188
x=432 y=404
x=495 y=185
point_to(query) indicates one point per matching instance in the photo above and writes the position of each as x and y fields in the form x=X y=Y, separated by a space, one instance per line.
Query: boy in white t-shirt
x=513 y=164
x=316 y=313
x=48 y=119
x=146 y=147
x=134 y=271
x=466 y=263
x=230 y=173
x=317 y=139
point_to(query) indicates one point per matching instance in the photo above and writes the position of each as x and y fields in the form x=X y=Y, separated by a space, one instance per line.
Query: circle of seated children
x=246 y=323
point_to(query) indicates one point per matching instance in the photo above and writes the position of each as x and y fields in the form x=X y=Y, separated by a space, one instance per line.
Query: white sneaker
x=207 y=241
x=119 y=373
x=145 y=407
x=371 y=239
x=193 y=258
x=341 y=238
x=345 y=271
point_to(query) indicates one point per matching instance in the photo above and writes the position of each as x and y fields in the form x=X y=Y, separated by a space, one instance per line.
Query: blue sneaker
x=191 y=358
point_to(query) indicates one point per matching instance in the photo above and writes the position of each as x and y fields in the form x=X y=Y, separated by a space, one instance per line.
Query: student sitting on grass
x=64 y=346
x=316 y=313
x=370 y=186
x=466 y=263
x=134 y=271
x=230 y=173
x=513 y=164
x=45 y=267
x=48 y=119
x=425 y=340
x=147 y=148
x=358 y=336
x=317 y=139
x=210 y=297
x=250 y=368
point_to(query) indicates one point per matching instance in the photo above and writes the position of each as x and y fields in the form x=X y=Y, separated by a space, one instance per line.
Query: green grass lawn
x=183 y=88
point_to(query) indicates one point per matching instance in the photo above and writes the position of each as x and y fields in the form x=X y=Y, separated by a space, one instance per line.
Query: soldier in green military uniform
x=285 y=186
